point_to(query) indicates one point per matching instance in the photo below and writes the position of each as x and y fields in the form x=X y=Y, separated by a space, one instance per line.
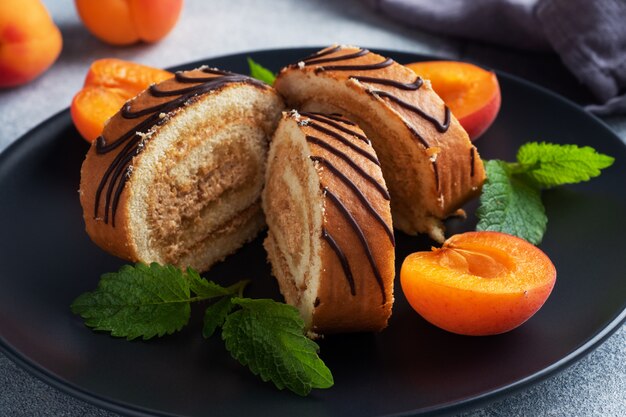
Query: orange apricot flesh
x=472 y=93
x=108 y=85
x=478 y=283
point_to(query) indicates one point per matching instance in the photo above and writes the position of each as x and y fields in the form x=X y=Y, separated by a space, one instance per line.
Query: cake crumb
x=301 y=64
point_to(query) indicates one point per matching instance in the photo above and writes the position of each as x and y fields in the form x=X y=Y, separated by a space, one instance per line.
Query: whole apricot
x=30 y=42
x=478 y=283
x=472 y=93
x=124 y=22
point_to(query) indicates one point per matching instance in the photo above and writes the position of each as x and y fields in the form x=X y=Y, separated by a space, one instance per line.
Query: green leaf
x=549 y=164
x=260 y=73
x=140 y=301
x=203 y=288
x=510 y=205
x=268 y=337
x=215 y=315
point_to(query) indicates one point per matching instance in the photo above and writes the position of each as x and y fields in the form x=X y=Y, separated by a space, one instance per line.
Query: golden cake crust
x=429 y=163
x=143 y=134
x=351 y=288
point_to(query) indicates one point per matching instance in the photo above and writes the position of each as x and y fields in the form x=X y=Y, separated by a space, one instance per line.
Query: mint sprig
x=260 y=72
x=140 y=301
x=153 y=300
x=268 y=337
x=549 y=164
x=509 y=205
x=511 y=196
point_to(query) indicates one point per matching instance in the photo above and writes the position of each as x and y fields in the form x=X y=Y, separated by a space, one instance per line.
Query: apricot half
x=472 y=93
x=108 y=85
x=478 y=283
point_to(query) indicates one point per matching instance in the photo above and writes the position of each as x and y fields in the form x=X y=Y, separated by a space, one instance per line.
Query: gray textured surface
x=595 y=386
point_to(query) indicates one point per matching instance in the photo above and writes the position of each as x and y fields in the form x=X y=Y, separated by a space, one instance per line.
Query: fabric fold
x=589 y=36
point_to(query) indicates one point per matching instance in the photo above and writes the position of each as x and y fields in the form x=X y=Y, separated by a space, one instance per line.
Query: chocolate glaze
x=415 y=85
x=320 y=117
x=319 y=142
x=339 y=117
x=342 y=259
x=417 y=135
x=436 y=172
x=366 y=203
x=320 y=60
x=322 y=53
x=472 y=159
x=120 y=169
x=441 y=127
x=359 y=232
x=368 y=67
x=345 y=141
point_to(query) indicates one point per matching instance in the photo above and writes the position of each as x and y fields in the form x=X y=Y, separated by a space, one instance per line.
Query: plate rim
x=469 y=403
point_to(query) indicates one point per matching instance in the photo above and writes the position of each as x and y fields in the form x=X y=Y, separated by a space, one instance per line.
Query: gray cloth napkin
x=588 y=35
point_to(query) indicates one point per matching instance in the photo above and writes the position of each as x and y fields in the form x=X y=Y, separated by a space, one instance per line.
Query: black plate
x=46 y=260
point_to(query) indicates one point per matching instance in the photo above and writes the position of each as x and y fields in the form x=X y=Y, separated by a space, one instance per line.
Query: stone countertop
x=594 y=386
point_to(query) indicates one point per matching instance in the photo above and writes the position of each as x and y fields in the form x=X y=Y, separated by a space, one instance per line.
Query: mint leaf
x=203 y=288
x=510 y=205
x=215 y=315
x=268 y=337
x=260 y=73
x=549 y=164
x=140 y=301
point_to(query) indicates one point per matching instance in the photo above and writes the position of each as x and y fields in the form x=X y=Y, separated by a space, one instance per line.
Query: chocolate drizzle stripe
x=417 y=135
x=185 y=94
x=472 y=158
x=182 y=78
x=322 y=119
x=322 y=53
x=359 y=232
x=415 y=85
x=436 y=172
x=108 y=172
x=441 y=127
x=358 y=193
x=119 y=171
x=118 y=192
x=102 y=147
x=320 y=60
x=345 y=141
x=154 y=90
x=122 y=166
x=342 y=259
x=317 y=141
x=338 y=117
x=367 y=67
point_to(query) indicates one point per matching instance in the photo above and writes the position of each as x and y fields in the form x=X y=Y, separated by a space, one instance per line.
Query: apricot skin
x=477 y=122
x=477 y=295
x=472 y=93
x=125 y=22
x=30 y=42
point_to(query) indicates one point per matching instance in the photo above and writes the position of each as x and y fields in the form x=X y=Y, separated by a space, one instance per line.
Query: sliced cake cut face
x=428 y=161
x=177 y=174
x=330 y=239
